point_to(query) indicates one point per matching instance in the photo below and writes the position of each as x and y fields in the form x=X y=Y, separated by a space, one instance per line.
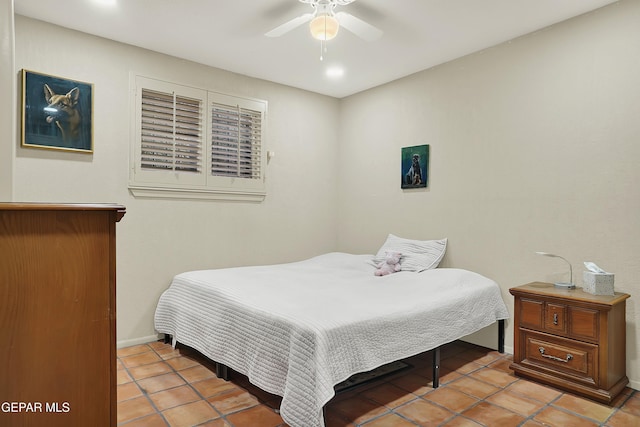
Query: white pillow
x=417 y=255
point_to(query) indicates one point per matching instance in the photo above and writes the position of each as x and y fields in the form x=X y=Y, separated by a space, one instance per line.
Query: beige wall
x=160 y=238
x=7 y=100
x=535 y=146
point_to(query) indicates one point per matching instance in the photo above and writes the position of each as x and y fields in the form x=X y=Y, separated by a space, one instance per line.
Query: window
x=236 y=135
x=193 y=143
x=170 y=132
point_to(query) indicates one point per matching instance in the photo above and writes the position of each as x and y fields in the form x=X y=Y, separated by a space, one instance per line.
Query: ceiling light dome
x=324 y=27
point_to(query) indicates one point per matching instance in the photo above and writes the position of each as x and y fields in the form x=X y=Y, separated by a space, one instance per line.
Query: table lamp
x=567 y=285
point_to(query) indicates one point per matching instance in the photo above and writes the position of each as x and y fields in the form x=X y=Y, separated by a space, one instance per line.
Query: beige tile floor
x=160 y=386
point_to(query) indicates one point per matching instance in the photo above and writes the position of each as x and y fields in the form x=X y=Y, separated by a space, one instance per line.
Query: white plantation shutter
x=193 y=143
x=236 y=138
x=171 y=132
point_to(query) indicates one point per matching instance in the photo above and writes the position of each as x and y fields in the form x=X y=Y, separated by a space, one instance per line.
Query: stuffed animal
x=391 y=264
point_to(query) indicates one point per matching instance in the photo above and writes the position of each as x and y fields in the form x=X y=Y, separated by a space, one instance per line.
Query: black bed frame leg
x=436 y=367
x=436 y=354
x=222 y=371
x=167 y=338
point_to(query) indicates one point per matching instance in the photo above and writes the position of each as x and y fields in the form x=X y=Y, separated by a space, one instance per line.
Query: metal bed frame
x=222 y=371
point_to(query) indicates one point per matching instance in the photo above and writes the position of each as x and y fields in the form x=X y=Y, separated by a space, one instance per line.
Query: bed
x=298 y=329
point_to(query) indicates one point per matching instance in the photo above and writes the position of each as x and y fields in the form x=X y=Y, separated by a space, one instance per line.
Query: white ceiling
x=229 y=34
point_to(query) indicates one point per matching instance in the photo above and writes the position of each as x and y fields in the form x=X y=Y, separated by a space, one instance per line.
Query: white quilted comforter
x=298 y=329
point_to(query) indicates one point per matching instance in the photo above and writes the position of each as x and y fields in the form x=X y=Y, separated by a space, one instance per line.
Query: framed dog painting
x=415 y=166
x=57 y=113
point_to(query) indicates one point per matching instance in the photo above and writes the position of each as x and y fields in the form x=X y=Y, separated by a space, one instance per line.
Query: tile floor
x=160 y=386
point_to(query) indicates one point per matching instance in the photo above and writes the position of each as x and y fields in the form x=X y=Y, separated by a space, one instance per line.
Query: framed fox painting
x=57 y=113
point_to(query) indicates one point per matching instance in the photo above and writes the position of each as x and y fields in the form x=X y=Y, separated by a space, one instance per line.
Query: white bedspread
x=298 y=329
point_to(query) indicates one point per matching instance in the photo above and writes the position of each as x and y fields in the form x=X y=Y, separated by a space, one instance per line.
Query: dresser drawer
x=560 y=319
x=564 y=357
x=584 y=323
x=531 y=313
x=555 y=318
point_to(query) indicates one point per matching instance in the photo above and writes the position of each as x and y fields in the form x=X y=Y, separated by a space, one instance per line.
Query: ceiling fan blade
x=358 y=27
x=289 y=25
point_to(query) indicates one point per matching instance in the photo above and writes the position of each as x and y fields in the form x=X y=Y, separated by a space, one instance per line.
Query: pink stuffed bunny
x=391 y=264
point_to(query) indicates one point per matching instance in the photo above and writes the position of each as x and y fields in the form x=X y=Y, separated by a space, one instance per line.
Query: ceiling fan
x=324 y=22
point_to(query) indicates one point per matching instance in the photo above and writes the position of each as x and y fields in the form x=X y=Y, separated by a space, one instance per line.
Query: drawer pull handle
x=555 y=318
x=557 y=359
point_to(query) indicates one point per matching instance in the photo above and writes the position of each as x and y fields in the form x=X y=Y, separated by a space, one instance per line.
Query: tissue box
x=597 y=283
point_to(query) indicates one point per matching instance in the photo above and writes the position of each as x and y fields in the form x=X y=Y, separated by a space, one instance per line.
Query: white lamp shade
x=324 y=27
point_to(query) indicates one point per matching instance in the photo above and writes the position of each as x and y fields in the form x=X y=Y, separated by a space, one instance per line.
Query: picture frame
x=57 y=113
x=415 y=167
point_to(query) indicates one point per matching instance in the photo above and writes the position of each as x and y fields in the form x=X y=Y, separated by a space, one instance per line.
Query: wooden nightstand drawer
x=560 y=319
x=573 y=359
x=531 y=314
x=555 y=318
x=583 y=323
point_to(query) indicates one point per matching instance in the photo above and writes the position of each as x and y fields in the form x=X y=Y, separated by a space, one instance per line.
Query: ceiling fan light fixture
x=324 y=27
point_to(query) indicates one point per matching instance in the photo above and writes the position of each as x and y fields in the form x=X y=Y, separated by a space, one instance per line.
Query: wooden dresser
x=570 y=339
x=57 y=314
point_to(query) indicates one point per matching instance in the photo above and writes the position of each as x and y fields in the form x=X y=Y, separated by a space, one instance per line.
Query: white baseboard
x=634 y=384
x=138 y=341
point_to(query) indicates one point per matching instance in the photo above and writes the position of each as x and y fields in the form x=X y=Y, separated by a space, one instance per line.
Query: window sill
x=253 y=196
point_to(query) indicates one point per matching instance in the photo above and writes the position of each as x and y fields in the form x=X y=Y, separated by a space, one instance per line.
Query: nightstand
x=570 y=339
